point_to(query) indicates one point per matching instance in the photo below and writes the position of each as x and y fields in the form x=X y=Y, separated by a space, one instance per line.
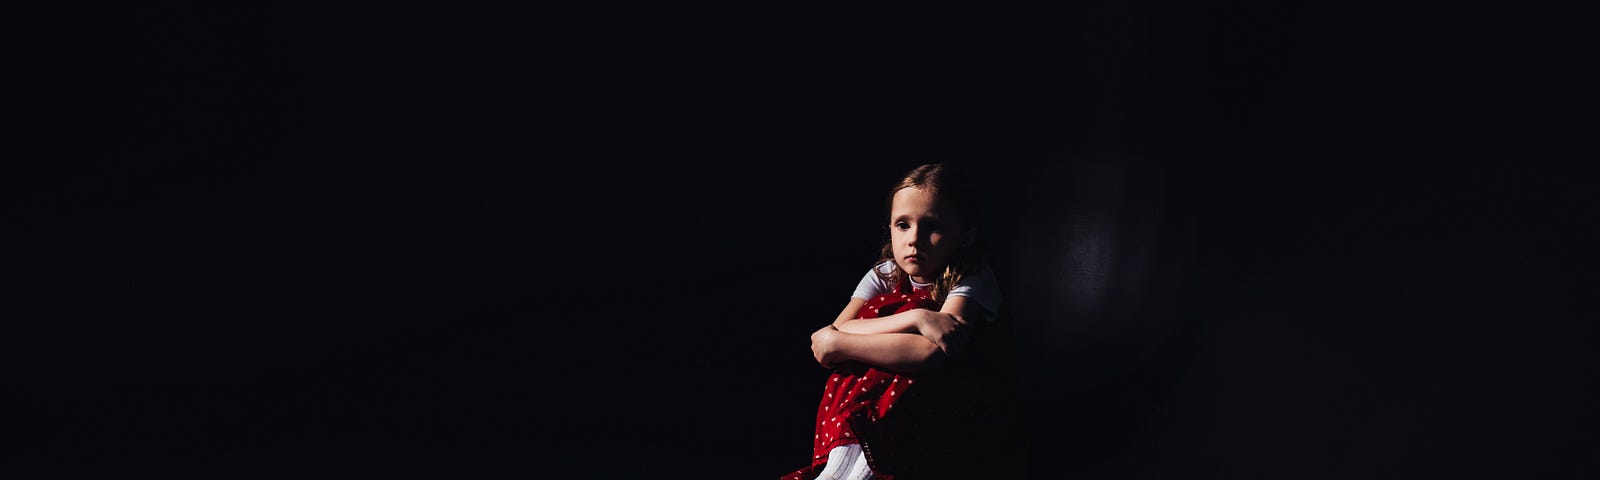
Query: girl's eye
x=902 y=225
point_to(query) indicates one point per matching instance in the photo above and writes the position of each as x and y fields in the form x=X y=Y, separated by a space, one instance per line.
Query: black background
x=1237 y=239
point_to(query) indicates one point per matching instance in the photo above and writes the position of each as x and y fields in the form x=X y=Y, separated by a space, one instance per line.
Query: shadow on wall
x=1088 y=255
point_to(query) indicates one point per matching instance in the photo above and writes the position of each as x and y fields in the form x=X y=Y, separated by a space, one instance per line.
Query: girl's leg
x=840 y=461
x=846 y=462
x=860 y=471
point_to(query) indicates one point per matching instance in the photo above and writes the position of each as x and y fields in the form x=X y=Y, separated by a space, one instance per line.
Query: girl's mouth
x=914 y=259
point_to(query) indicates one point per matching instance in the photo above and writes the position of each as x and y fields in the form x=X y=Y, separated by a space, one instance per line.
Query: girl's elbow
x=932 y=359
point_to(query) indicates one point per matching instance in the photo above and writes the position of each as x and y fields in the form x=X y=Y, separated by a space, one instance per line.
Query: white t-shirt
x=980 y=288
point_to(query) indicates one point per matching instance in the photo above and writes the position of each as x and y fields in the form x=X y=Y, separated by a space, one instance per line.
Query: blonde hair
x=950 y=189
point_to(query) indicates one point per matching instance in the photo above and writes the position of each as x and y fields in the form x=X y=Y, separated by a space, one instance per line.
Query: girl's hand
x=822 y=346
x=943 y=329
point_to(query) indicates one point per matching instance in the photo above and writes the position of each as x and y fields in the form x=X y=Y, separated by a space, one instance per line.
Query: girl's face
x=923 y=235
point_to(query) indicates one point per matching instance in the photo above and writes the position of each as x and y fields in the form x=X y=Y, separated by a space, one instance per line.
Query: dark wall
x=1237 y=239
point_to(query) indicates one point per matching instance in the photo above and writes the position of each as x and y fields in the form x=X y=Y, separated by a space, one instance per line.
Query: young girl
x=911 y=316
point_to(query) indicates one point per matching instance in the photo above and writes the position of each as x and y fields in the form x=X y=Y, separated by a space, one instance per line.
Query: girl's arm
x=947 y=328
x=900 y=352
x=897 y=323
x=935 y=336
x=956 y=312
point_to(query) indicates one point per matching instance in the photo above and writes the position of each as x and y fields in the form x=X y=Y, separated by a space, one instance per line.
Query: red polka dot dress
x=858 y=399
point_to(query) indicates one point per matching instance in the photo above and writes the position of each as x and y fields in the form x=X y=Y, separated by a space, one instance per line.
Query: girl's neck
x=919 y=281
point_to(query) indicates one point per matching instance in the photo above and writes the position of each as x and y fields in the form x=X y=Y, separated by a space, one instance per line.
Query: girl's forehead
x=914 y=200
x=910 y=197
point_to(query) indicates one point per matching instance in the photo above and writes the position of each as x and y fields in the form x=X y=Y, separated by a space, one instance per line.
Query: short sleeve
x=981 y=288
x=872 y=285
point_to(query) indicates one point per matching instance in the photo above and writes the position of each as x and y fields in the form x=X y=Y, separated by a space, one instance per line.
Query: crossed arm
x=909 y=341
